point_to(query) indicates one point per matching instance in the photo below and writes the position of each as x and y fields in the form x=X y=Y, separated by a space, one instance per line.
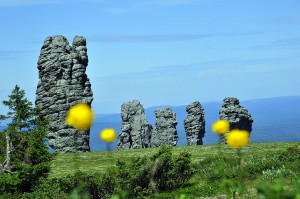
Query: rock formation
x=165 y=132
x=62 y=84
x=194 y=124
x=236 y=115
x=136 y=131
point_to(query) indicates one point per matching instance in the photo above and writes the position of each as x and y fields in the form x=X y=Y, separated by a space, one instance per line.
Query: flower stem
x=241 y=171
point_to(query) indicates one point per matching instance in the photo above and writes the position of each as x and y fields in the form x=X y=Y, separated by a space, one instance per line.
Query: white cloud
x=281 y=20
x=164 y=37
x=12 y=3
x=12 y=54
x=205 y=70
x=128 y=5
x=291 y=43
x=15 y=3
x=147 y=38
x=142 y=4
x=165 y=2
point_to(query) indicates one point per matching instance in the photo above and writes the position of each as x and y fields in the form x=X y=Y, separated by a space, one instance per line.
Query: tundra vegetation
x=28 y=170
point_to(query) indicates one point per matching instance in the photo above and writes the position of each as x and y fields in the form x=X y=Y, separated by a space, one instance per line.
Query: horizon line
x=205 y=102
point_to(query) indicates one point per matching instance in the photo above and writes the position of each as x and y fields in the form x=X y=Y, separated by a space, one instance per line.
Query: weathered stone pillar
x=136 y=131
x=194 y=124
x=165 y=132
x=62 y=84
x=236 y=115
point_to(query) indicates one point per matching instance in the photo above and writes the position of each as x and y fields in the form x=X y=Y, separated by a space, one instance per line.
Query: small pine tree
x=27 y=156
x=2 y=143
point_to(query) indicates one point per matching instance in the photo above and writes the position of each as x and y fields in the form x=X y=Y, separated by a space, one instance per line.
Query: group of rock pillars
x=136 y=132
x=64 y=83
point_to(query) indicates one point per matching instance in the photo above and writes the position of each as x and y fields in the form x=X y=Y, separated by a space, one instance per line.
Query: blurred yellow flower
x=237 y=138
x=108 y=135
x=221 y=127
x=80 y=116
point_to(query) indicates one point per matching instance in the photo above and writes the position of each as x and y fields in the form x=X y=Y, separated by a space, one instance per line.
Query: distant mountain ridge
x=275 y=120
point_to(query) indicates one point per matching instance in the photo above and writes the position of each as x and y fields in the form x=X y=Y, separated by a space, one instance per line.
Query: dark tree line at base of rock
x=136 y=131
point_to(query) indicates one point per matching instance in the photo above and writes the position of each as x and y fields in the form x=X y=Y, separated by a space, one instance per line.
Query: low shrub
x=215 y=168
x=278 y=191
x=9 y=183
x=82 y=185
x=291 y=154
x=162 y=172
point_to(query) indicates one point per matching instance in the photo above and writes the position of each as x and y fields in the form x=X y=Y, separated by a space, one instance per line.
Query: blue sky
x=161 y=52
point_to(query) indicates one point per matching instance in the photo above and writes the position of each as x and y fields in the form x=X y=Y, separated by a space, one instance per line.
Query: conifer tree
x=2 y=144
x=27 y=156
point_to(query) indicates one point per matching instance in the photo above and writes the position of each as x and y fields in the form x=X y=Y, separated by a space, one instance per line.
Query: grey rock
x=165 y=132
x=194 y=124
x=236 y=115
x=136 y=131
x=63 y=84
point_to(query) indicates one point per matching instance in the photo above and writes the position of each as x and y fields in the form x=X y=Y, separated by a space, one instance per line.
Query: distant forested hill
x=275 y=120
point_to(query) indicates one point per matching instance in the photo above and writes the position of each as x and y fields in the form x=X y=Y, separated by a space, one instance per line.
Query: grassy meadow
x=64 y=164
x=260 y=165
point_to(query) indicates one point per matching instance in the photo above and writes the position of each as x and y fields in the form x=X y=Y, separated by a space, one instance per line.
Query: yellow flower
x=237 y=138
x=80 y=116
x=221 y=127
x=108 y=135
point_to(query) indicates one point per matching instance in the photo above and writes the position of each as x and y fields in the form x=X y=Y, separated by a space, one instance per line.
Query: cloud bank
x=164 y=37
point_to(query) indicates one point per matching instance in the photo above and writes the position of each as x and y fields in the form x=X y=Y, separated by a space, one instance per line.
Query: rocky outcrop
x=236 y=115
x=194 y=124
x=62 y=84
x=136 y=131
x=165 y=132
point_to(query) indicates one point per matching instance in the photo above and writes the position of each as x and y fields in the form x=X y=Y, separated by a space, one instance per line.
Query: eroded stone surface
x=194 y=124
x=136 y=131
x=62 y=84
x=236 y=115
x=165 y=132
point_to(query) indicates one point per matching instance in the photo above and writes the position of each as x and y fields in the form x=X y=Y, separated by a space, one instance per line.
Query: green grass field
x=64 y=164
x=263 y=164
x=254 y=155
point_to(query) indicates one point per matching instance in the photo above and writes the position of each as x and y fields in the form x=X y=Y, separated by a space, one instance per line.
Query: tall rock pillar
x=136 y=131
x=236 y=115
x=62 y=84
x=165 y=132
x=194 y=124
